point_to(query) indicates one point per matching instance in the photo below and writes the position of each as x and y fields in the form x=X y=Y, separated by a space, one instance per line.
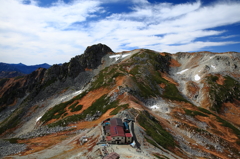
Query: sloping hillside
x=185 y=105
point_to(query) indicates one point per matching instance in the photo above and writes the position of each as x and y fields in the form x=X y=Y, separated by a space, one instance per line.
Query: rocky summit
x=131 y=104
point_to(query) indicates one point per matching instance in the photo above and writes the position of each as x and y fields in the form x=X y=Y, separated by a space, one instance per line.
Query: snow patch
x=71 y=95
x=213 y=67
x=154 y=107
x=182 y=71
x=114 y=56
x=77 y=92
x=125 y=55
x=197 y=77
x=119 y=56
x=38 y=118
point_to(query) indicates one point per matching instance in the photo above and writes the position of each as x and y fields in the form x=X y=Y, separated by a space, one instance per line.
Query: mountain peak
x=21 y=64
x=100 y=49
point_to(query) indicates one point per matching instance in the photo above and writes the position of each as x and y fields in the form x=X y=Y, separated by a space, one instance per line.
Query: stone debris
x=43 y=131
x=7 y=148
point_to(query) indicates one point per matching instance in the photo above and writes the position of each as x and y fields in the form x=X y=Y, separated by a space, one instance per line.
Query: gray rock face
x=42 y=78
x=43 y=131
x=163 y=63
x=95 y=116
x=7 y=148
x=91 y=59
x=44 y=83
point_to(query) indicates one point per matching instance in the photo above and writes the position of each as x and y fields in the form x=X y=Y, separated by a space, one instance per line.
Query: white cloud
x=161 y=11
x=187 y=37
x=229 y=36
x=33 y=34
x=190 y=46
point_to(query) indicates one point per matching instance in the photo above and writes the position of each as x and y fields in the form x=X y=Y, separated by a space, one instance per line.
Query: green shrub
x=213 y=78
x=170 y=90
x=205 y=110
x=102 y=104
x=238 y=142
x=3 y=81
x=144 y=89
x=12 y=121
x=160 y=157
x=116 y=110
x=152 y=142
x=13 y=140
x=19 y=77
x=223 y=93
x=134 y=70
x=49 y=82
x=58 y=110
x=194 y=113
x=75 y=107
x=105 y=77
x=155 y=130
x=222 y=121
x=229 y=125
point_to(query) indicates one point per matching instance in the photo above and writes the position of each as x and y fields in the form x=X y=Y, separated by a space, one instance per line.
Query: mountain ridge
x=14 y=70
x=191 y=98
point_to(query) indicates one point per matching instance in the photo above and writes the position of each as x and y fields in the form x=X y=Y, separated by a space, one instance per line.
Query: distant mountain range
x=13 y=70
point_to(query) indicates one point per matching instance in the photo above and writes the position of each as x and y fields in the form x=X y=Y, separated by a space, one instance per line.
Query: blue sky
x=54 y=31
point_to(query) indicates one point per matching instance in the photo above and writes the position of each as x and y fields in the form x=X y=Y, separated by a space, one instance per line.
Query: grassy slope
x=220 y=94
x=155 y=131
x=147 y=87
x=102 y=104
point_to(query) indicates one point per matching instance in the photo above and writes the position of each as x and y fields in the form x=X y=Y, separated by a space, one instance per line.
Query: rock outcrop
x=91 y=59
x=44 y=83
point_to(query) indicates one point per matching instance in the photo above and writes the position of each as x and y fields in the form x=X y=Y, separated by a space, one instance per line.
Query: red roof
x=116 y=131
x=128 y=135
x=107 y=128
x=116 y=122
x=109 y=138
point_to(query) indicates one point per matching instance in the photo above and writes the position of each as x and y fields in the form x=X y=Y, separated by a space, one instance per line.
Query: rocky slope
x=186 y=105
x=4 y=74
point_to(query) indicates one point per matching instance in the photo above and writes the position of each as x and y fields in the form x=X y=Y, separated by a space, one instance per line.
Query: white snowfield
x=154 y=107
x=181 y=72
x=213 y=67
x=197 y=77
x=119 y=56
x=38 y=118
x=71 y=95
